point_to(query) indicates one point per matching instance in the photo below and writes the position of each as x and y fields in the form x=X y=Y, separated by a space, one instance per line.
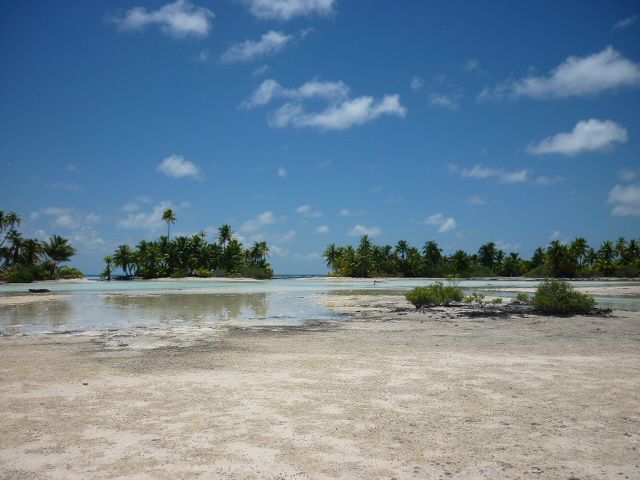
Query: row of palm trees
x=576 y=259
x=30 y=258
x=186 y=256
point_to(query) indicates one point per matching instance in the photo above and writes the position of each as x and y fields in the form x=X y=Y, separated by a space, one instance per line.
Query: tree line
x=186 y=256
x=576 y=259
x=28 y=259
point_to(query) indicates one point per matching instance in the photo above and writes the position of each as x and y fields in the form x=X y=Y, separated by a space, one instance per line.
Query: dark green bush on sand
x=69 y=272
x=436 y=294
x=558 y=297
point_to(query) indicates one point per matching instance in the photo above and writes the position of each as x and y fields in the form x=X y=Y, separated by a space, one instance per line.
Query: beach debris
x=39 y=290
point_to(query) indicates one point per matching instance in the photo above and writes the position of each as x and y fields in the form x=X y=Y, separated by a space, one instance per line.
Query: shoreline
x=387 y=392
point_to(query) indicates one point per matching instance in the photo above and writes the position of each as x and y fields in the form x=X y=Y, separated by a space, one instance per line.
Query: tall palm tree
x=579 y=248
x=169 y=216
x=330 y=255
x=58 y=249
x=31 y=252
x=402 y=248
x=225 y=234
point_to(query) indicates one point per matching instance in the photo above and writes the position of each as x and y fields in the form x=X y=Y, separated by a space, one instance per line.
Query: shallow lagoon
x=96 y=305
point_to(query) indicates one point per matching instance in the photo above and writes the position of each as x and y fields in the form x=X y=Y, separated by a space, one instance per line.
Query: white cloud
x=575 y=77
x=325 y=163
x=151 y=220
x=203 y=57
x=308 y=211
x=322 y=229
x=269 y=44
x=262 y=220
x=626 y=22
x=471 y=65
x=177 y=166
x=72 y=168
x=625 y=200
x=285 y=237
x=476 y=200
x=69 y=218
x=480 y=171
x=306 y=256
x=359 y=230
x=443 y=101
x=626 y=175
x=282 y=172
x=270 y=89
x=444 y=224
x=288 y=9
x=417 y=83
x=587 y=136
x=548 y=181
x=130 y=207
x=346 y=212
x=341 y=113
x=338 y=117
x=178 y=19
x=261 y=70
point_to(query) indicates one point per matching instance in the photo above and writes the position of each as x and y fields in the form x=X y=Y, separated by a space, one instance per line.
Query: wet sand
x=389 y=393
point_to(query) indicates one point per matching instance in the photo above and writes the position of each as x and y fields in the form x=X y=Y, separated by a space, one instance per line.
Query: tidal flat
x=379 y=390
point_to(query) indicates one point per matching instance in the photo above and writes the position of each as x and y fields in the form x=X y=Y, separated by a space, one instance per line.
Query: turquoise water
x=96 y=305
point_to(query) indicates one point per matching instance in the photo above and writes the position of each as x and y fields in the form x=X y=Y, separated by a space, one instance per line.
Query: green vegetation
x=190 y=256
x=433 y=295
x=523 y=298
x=23 y=260
x=476 y=298
x=576 y=259
x=558 y=297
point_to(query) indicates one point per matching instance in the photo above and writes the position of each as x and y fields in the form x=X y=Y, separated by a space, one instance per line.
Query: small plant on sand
x=497 y=301
x=523 y=298
x=559 y=297
x=436 y=294
x=476 y=298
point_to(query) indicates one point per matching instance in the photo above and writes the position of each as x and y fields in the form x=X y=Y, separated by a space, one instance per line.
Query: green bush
x=436 y=294
x=19 y=275
x=540 y=271
x=497 y=301
x=475 y=297
x=203 y=273
x=259 y=273
x=69 y=272
x=523 y=298
x=558 y=297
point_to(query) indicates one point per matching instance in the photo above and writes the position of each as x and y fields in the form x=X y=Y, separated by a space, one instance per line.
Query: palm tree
x=330 y=255
x=621 y=247
x=108 y=260
x=58 y=250
x=169 y=216
x=579 y=248
x=402 y=248
x=124 y=258
x=225 y=234
x=31 y=252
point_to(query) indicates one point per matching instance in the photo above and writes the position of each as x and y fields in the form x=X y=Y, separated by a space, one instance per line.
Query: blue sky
x=305 y=122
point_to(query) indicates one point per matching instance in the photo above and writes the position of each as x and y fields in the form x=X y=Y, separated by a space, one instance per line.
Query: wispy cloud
x=576 y=77
x=587 y=136
x=481 y=171
x=282 y=172
x=308 y=211
x=416 y=83
x=476 y=200
x=72 y=187
x=149 y=220
x=177 y=166
x=269 y=44
x=178 y=19
x=359 y=230
x=471 y=65
x=260 y=221
x=626 y=174
x=626 y=22
x=341 y=113
x=323 y=229
x=444 y=224
x=625 y=200
x=443 y=100
x=346 y=212
x=288 y=9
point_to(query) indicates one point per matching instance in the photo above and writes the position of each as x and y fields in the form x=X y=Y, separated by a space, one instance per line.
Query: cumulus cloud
x=443 y=101
x=575 y=77
x=68 y=217
x=359 y=230
x=341 y=113
x=288 y=9
x=626 y=22
x=178 y=19
x=322 y=229
x=444 y=224
x=481 y=171
x=177 y=166
x=308 y=211
x=625 y=200
x=269 y=44
x=587 y=136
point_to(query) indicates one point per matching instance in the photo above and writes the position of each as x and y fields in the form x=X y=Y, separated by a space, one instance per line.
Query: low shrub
x=19 y=275
x=540 y=271
x=203 y=273
x=523 y=298
x=69 y=272
x=558 y=297
x=477 y=298
x=436 y=294
x=497 y=301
